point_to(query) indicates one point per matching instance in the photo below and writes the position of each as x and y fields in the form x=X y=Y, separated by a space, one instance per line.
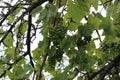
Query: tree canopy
x=77 y=41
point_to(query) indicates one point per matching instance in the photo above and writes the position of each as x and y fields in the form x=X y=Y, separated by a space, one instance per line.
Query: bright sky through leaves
x=59 y=39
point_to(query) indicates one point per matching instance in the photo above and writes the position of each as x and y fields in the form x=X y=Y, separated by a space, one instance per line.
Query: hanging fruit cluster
x=56 y=34
x=56 y=57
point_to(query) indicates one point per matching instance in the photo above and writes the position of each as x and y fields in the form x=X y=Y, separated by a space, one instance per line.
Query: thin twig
x=42 y=65
x=33 y=6
x=28 y=40
x=98 y=35
x=11 y=65
x=8 y=13
x=29 y=9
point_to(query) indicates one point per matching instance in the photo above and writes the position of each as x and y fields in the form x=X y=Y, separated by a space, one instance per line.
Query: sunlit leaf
x=37 y=53
x=78 y=7
x=10 y=53
x=11 y=18
x=8 y=40
x=11 y=75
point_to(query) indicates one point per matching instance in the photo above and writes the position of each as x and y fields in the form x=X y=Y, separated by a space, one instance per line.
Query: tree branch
x=42 y=65
x=8 y=13
x=28 y=40
x=109 y=67
x=98 y=35
x=33 y=6
x=11 y=64
x=103 y=71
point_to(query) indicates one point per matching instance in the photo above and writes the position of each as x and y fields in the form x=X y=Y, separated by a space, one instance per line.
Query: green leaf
x=3 y=60
x=36 y=10
x=2 y=68
x=73 y=74
x=99 y=54
x=8 y=40
x=37 y=53
x=63 y=2
x=24 y=27
x=106 y=25
x=9 y=52
x=47 y=14
x=110 y=9
x=86 y=30
x=98 y=15
x=20 y=72
x=18 y=68
x=52 y=51
x=1 y=31
x=11 y=18
x=94 y=3
x=65 y=43
x=11 y=75
x=68 y=42
x=77 y=9
x=94 y=21
x=61 y=76
x=73 y=26
x=91 y=61
x=40 y=44
x=58 y=47
x=27 y=71
x=116 y=20
x=103 y=1
x=34 y=0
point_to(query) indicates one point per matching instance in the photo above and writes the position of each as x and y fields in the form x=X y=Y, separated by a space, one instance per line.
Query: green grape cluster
x=56 y=34
x=52 y=62
x=82 y=42
x=59 y=54
x=87 y=39
x=56 y=57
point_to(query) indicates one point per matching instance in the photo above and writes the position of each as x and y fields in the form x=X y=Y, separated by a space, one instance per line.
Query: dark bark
x=28 y=10
x=106 y=69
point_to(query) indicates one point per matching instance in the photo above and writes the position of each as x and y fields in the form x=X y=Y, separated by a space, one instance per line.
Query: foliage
x=67 y=50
